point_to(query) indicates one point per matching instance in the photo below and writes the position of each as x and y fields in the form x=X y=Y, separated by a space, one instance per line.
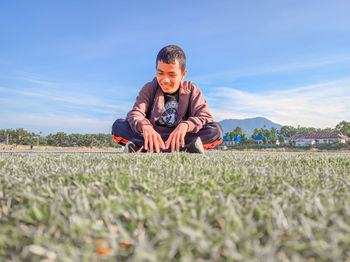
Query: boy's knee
x=214 y=129
x=118 y=125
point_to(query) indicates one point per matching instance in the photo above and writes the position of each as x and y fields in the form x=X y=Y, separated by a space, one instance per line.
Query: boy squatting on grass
x=169 y=113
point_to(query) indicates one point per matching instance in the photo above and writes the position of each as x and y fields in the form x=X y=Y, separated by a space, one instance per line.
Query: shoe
x=196 y=146
x=130 y=147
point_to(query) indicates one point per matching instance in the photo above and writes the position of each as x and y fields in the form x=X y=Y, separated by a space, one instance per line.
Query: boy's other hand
x=177 y=137
x=152 y=139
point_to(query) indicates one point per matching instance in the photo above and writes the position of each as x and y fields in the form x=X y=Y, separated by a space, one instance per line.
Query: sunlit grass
x=221 y=206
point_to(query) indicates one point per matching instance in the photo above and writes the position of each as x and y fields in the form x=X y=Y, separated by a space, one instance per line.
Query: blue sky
x=76 y=66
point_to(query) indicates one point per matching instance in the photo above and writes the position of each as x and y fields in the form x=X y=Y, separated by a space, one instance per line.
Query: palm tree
x=238 y=130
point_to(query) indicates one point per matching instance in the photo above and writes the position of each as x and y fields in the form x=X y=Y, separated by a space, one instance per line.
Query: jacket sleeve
x=137 y=116
x=199 y=111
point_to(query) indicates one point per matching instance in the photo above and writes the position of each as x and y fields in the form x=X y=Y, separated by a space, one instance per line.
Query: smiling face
x=169 y=76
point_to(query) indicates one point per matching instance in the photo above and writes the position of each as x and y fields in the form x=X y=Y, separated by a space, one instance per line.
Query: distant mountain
x=248 y=125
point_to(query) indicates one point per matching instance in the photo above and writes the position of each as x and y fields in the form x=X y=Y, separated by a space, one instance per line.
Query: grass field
x=221 y=206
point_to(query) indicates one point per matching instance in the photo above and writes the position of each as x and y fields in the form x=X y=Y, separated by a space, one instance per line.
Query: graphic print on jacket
x=171 y=102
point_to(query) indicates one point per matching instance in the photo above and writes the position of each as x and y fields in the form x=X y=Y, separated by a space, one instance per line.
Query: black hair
x=171 y=53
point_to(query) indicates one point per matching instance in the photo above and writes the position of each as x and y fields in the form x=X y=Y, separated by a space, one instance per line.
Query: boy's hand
x=152 y=139
x=176 y=137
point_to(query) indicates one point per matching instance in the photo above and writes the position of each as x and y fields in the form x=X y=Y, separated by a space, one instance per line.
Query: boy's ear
x=184 y=74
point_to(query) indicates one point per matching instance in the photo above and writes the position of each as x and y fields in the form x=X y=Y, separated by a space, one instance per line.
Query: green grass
x=223 y=206
x=290 y=148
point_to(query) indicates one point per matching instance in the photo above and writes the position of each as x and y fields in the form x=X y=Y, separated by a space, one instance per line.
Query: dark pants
x=210 y=134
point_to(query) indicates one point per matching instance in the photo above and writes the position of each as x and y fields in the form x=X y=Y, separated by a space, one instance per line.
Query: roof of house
x=237 y=138
x=259 y=137
x=316 y=136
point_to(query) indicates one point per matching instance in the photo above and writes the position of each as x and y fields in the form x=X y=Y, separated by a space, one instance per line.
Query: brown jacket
x=192 y=109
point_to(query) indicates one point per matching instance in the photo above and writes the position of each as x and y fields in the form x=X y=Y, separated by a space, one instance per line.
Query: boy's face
x=169 y=76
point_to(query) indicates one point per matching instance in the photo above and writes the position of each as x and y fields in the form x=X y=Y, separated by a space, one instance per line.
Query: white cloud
x=300 y=64
x=39 y=81
x=51 y=108
x=52 y=123
x=70 y=98
x=321 y=105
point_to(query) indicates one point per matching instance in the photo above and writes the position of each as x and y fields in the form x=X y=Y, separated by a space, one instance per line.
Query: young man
x=169 y=113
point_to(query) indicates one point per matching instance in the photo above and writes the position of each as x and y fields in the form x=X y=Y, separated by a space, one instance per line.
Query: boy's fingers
x=167 y=143
x=155 y=141
x=151 y=144
x=172 y=144
x=146 y=142
x=183 y=140
x=161 y=142
x=177 y=142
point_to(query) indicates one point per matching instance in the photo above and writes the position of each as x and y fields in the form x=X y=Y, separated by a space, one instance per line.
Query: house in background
x=230 y=142
x=259 y=139
x=237 y=139
x=317 y=139
x=286 y=140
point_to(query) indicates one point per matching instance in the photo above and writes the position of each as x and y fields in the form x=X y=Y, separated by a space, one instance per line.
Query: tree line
x=342 y=128
x=20 y=136
x=271 y=136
